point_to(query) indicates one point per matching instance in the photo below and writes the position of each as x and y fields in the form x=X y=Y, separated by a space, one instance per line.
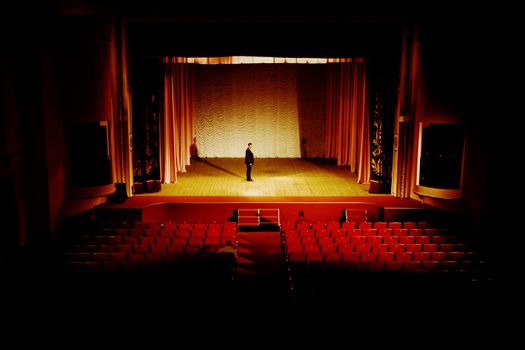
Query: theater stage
x=275 y=177
x=212 y=188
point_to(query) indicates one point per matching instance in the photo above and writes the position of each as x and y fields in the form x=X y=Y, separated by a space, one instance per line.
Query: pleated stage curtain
x=347 y=119
x=177 y=127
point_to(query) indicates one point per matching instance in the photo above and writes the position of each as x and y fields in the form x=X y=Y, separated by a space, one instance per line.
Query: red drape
x=405 y=131
x=121 y=136
x=177 y=127
x=347 y=125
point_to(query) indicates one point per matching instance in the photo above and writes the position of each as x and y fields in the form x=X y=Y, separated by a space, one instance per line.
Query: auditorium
x=380 y=205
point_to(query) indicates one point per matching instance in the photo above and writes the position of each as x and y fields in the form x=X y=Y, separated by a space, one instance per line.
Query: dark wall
x=23 y=108
x=468 y=64
x=58 y=70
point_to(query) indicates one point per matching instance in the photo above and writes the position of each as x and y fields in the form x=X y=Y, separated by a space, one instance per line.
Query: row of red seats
x=186 y=232
x=164 y=225
x=137 y=257
x=112 y=240
x=407 y=266
x=366 y=232
x=382 y=256
x=136 y=262
x=377 y=248
x=137 y=254
x=371 y=240
x=152 y=242
x=347 y=225
x=149 y=235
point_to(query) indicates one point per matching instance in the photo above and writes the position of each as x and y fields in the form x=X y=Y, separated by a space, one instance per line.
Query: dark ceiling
x=262 y=38
x=162 y=27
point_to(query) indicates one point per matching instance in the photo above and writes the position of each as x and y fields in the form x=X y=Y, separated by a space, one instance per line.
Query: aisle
x=260 y=292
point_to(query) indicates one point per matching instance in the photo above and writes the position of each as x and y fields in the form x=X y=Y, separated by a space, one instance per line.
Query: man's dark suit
x=248 y=160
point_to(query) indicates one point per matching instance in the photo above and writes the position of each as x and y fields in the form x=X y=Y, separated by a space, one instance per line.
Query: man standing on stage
x=248 y=160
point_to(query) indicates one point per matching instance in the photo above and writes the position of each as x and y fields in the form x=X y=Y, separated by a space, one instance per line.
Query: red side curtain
x=121 y=129
x=347 y=125
x=178 y=126
x=407 y=110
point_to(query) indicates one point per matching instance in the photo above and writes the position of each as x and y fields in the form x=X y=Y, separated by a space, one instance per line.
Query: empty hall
x=259 y=176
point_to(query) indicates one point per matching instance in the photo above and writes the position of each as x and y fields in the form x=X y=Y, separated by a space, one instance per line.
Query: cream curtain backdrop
x=237 y=104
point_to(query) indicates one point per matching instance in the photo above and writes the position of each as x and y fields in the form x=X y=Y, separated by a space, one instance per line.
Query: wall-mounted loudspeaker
x=88 y=151
x=440 y=160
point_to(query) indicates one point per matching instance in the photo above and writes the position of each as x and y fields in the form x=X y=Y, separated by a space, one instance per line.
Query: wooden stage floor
x=273 y=177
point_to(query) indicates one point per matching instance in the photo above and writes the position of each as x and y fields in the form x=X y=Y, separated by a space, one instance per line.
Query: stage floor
x=213 y=188
x=273 y=177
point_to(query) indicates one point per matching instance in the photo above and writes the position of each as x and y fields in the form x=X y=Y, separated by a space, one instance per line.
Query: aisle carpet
x=260 y=294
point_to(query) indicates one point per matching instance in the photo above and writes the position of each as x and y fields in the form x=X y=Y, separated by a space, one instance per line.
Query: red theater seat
x=297 y=257
x=394 y=265
x=414 y=247
x=412 y=265
x=407 y=239
x=409 y=225
x=314 y=256
x=328 y=248
x=395 y=225
x=380 y=225
x=391 y=240
x=404 y=256
x=374 y=239
x=375 y=265
x=439 y=239
x=332 y=256
x=397 y=247
x=447 y=247
x=430 y=247
x=380 y=247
